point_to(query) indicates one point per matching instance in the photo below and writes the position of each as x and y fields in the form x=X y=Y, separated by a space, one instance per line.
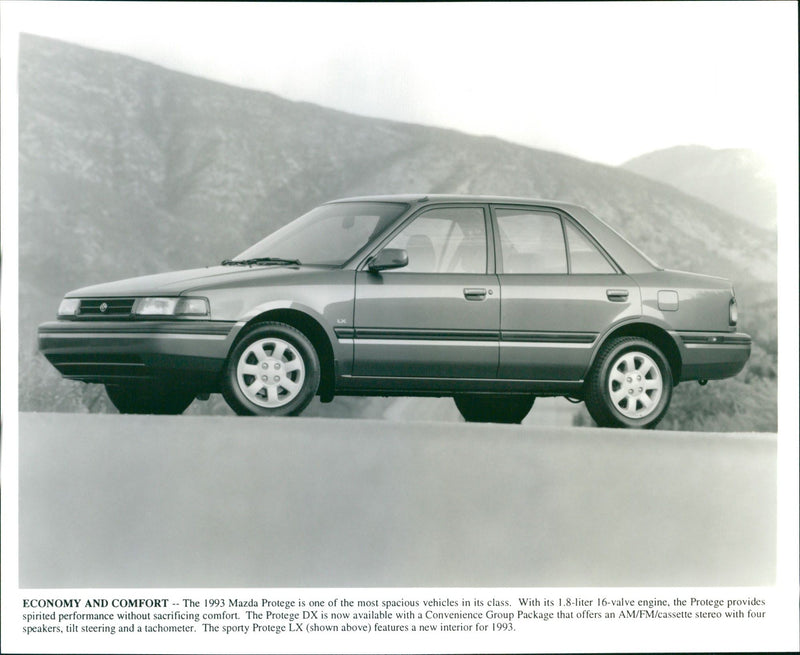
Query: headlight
x=69 y=306
x=171 y=307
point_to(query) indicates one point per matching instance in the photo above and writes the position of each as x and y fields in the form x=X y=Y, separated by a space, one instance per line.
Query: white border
x=780 y=634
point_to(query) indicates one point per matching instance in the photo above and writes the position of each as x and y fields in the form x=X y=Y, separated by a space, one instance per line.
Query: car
x=492 y=301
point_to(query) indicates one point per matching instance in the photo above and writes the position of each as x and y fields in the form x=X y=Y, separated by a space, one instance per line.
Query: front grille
x=100 y=307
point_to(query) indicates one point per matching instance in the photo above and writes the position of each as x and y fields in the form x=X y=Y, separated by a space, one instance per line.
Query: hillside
x=734 y=179
x=127 y=168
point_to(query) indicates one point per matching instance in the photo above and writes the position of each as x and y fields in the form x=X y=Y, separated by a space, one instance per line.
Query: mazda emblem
x=103 y=306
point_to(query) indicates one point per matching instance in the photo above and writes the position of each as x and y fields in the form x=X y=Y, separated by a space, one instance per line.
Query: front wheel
x=630 y=384
x=149 y=397
x=272 y=371
x=493 y=408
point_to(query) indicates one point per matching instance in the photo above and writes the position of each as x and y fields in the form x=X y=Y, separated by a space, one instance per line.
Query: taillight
x=733 y=312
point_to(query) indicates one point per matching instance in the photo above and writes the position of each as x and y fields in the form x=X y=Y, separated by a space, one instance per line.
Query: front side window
x=447 y=240
x=531 y=242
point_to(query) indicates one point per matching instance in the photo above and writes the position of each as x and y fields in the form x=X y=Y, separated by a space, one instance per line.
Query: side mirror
x=387 y=259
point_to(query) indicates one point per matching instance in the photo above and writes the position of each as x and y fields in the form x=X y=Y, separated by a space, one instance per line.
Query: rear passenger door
x=559 y=291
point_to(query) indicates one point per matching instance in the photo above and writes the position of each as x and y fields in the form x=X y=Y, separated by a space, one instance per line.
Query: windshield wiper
x=261 y=261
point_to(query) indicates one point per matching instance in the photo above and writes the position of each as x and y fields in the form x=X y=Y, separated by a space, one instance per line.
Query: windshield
x=328 y=235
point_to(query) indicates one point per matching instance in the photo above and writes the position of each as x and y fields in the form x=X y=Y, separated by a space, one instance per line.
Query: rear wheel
x=630 y=384
x=149 y=397
x=272 y=371
x=493 y=408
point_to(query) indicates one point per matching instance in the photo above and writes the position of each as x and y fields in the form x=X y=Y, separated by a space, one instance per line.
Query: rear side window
x=531 y=242
x=584 y=257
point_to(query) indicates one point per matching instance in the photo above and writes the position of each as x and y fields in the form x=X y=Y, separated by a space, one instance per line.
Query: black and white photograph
x=399 y=327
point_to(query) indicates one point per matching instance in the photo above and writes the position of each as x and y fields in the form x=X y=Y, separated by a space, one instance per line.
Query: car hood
x=179 y=282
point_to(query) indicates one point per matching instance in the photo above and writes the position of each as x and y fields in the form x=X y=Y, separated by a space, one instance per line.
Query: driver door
x=439 y=316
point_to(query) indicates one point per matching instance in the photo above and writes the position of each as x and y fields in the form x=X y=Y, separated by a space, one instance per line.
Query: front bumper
x=713 y=355
x=115 y=351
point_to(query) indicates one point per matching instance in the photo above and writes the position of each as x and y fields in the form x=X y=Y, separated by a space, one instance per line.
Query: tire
x=150 y=397
x=272 y=371
x=630 y=384
x=493 y=408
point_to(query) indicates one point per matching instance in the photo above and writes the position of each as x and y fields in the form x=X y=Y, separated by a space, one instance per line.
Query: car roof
x=458 y=198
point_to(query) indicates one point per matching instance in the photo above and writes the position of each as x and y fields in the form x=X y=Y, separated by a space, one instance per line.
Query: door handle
x=617 y=295
x=475 y=294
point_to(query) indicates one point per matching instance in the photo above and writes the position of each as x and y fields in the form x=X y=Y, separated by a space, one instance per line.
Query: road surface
x=190 y=501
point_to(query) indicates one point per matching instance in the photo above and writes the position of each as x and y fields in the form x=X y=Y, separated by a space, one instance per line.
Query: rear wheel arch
x=313 y=331
x=658 y=336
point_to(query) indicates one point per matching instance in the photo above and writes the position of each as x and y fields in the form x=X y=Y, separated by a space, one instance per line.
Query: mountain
x=734 y=179
x=127 y=168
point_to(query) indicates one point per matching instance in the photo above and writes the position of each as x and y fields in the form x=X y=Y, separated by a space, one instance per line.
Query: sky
x=602 y=81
